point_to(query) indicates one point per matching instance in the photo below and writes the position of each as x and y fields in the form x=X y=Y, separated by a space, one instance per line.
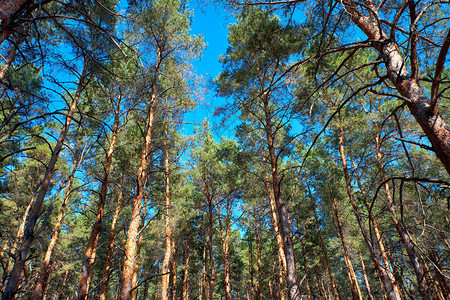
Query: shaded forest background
x=103 y=197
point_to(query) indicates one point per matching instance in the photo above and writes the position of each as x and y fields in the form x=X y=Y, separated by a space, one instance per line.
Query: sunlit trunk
x=91 y=248
x=366 y=280
x=165 y=290
x=112 y=238
x=133 y=228
x=187 y=257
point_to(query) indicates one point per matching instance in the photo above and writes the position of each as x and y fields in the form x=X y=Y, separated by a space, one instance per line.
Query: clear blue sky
x=212 y=23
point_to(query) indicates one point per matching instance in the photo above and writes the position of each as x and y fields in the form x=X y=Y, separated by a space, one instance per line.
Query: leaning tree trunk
x=112 y=238
x=389 y=283
x=401 y=229
x=29 y=234
x=133 y=229
x=366 y=280
x=423 y=108
x=91 y=248
x=41 y=285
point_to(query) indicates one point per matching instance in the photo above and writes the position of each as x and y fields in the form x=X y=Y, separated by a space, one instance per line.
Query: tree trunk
x=133 y=229
x=366 y=281
x=384 y=254
x=91 y=248
x=356 y=292
x=112 y=238
x=445 y=289
x=251 y=271
x=204 y=285
x=305 y=267
x=402 y=231
x=29 y=234
x=186 y=269
x=165 y=290
x=285 y=232
x=210 y=250
x=174 y=274
x=388 y=280
x=424 y=110
x=258 y=255
x=324 y=250
x=41 y=284
x=226 y=246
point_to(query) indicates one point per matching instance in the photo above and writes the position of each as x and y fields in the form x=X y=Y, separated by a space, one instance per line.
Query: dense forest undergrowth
x=336 y=185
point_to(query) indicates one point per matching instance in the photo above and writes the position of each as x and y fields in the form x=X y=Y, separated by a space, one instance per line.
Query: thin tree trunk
x=273 y=208
x=133 y=229
x=324 y=250
x=91 y=248
x=436 y=292
x=210 y=250
x=445 y=289
x=356 y=292
x=186 y=269
x=305 y=267
x=174 y=274
x=251 y=271
x=134 y=290
x=275 y=223
x=258 y=254
x=384 y=254
x=112 y=238
x=366 y=280
x=41 y=285
x=145 y=292
x=204 y=278
x=388 y=280
x=402 y=231
x=226 y=246
x=165 y=290
x=29 y=234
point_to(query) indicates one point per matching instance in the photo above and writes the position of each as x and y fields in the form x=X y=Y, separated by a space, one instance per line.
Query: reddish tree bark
x=165 y=290
x=133 y=228
x=112 y=238
x=91 y=248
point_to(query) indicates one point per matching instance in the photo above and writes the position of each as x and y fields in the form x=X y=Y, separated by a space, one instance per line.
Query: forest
x=334 y=184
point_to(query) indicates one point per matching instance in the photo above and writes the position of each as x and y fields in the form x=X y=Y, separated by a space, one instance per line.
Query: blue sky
x=212 y=23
